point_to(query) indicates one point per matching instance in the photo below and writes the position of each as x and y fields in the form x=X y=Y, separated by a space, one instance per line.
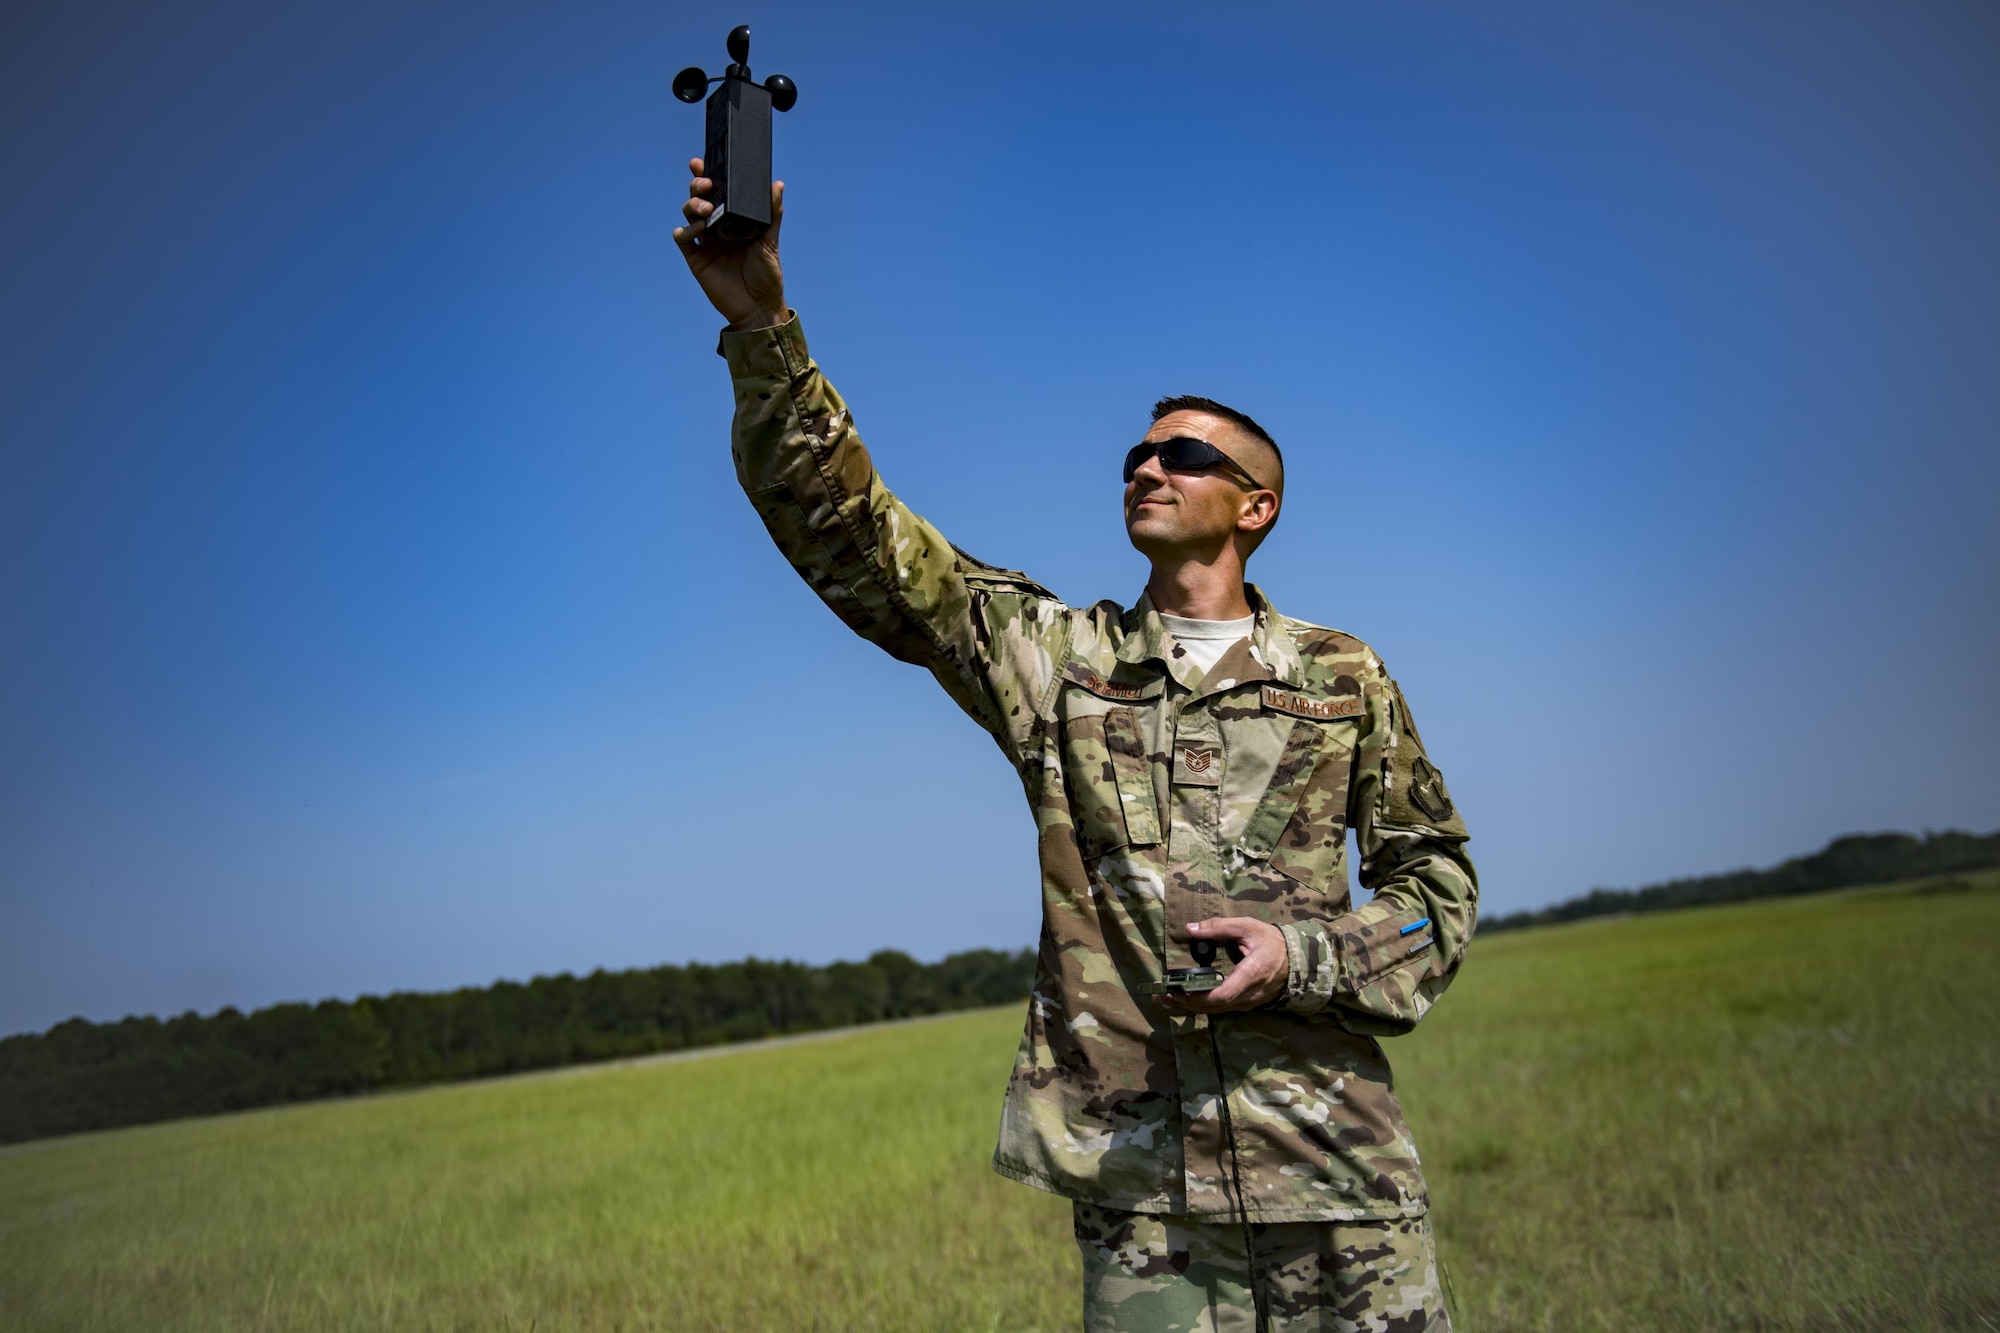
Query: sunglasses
x=1182 y=454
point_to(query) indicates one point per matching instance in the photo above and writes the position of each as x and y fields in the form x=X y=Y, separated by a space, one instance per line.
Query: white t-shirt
x=1207 y=640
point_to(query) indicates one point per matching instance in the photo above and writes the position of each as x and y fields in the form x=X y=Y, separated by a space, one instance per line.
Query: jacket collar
x=1270 y=654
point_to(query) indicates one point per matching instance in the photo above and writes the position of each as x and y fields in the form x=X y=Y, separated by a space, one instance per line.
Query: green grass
x=1777 y=1115
x=1782 y=1115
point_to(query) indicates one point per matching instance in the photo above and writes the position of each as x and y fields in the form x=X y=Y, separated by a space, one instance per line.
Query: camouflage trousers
x=1149 y=1274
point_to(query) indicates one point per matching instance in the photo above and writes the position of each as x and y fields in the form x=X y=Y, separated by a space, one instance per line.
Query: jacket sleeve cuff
x=778 y=352
x=1343 y=958
x=1314 y=966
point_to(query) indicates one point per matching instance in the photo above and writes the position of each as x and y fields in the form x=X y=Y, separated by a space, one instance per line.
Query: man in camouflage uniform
x=1236 y=1159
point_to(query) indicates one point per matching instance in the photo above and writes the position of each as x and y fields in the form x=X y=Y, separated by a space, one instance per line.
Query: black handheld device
x=1203 y=976
x=737 y=155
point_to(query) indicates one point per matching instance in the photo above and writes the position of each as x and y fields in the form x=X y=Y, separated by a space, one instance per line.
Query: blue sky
x=382 y=614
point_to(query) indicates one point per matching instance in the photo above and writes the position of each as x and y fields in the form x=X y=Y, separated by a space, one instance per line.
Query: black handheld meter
x=737 y=155
x=1203 y=976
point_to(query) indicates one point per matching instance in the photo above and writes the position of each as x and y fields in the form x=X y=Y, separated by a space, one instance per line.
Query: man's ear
x=1260 y=513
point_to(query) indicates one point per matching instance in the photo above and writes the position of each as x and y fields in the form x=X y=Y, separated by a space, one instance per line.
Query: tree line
x=1858 y=858
x=81 y=1075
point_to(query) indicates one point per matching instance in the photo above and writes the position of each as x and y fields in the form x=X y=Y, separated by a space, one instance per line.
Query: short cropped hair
x=1188 y=402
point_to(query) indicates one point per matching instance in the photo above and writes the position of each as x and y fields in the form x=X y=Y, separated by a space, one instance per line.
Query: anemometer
x=737 y=155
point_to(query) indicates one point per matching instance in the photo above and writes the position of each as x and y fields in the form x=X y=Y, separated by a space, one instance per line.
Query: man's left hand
x=1257 y=980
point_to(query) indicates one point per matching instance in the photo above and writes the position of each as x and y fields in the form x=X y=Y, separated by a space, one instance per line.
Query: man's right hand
x=743 y=282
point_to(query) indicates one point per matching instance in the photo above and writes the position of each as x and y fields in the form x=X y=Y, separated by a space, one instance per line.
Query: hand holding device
x=1262 y=966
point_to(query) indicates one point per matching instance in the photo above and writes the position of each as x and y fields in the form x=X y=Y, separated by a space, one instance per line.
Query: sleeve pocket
x=1380 y=939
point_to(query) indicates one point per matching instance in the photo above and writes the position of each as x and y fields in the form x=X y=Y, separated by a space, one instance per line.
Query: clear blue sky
x=380 y=610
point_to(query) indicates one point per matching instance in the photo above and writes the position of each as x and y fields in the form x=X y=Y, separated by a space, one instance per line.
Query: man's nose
x=1150 y=469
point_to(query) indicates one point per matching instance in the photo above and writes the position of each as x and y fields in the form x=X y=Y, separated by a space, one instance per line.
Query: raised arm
x=990 y=636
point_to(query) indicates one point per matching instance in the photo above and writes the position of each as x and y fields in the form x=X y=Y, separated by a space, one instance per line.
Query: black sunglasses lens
x=1185 y=455
x=1136 y=456
x=1179 y=454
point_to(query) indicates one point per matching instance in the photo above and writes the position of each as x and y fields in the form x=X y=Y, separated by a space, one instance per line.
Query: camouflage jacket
x=1161 y=796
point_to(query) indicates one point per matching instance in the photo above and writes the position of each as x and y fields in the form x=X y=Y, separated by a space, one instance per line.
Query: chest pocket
x=1300 y=825
x=1109 y=773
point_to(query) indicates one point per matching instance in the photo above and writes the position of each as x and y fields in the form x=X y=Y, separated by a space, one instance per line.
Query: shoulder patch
x=1427 y=791
x=1305 y=705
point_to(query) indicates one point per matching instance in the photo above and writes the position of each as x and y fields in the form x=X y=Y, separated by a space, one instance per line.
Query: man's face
x=1175 y=515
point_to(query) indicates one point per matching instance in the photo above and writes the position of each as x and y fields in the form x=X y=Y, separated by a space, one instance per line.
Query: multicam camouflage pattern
x=1162 y=796
x=1143 y=1273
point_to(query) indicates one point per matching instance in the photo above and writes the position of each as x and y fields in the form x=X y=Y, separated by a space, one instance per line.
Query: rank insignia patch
x=1197 y=765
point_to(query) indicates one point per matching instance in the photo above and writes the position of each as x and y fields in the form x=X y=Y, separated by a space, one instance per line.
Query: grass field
x=1783 y=1115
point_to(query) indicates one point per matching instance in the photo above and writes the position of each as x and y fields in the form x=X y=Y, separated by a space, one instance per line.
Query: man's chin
x=1149 y=539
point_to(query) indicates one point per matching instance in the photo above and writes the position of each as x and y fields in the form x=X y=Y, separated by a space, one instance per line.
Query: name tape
x=1098 y=685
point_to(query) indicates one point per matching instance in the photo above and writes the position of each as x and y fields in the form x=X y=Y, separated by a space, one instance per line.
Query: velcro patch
x=1302 y=705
